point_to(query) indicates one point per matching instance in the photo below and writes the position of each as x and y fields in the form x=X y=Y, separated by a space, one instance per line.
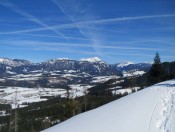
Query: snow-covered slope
x=124 y=64
x=15 y=62
x=133 y=73
x=149 y=110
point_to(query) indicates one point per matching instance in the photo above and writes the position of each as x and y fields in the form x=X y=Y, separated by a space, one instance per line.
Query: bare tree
x=85 y=98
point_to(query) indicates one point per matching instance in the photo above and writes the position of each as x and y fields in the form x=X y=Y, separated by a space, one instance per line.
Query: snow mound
x=94 y=59
x=149 y=110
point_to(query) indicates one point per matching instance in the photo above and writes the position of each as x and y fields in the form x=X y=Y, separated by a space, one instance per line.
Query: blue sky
x=113 y=30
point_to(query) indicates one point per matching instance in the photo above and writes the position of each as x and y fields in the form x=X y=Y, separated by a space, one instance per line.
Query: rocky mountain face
x=90 y=67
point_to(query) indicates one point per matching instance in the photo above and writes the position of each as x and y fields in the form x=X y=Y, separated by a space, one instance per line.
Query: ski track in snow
x=167 y=108
x=152 y=115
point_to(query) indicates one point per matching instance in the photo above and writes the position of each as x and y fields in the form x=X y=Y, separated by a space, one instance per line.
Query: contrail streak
x=95 y=22
x=28 y=16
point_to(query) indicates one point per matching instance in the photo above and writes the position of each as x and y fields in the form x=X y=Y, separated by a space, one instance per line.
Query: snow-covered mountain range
x=92 y=66
x=149 y=110
x=62 y=72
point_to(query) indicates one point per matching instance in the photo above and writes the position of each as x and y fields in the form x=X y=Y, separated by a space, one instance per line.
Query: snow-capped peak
x=94 y=59
x=124 y=64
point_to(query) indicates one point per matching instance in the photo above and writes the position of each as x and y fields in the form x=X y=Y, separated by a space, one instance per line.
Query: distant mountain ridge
x=92 y=66
x=13 y=62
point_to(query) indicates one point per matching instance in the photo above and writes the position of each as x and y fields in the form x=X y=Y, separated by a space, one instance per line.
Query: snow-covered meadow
x=28 y=95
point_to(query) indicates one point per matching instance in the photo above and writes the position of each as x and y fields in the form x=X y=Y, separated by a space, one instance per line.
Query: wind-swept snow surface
x=149 y=110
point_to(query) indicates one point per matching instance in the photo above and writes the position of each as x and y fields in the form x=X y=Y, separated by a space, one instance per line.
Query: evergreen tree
x=156 y=73
x=157 y=59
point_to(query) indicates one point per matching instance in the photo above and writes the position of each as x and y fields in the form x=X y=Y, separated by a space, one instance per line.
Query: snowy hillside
x=133 y=73
x=149 y=110
x=124 y=64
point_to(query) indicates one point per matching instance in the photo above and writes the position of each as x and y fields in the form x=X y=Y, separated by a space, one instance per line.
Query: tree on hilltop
x=156 y=73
